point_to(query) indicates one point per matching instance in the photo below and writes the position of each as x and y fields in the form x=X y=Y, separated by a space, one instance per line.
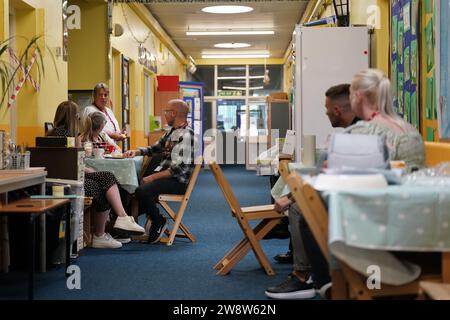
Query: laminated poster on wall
x=434 y=105
x=406 y=65
x=414 y=62
x=197 y=114
x=414 y=16
x=414 y=111
x=400 y=92
x=394 y=34
x=407 y=16
x=429 y=99
x=429 y=45
x=155 y=123
x=197 y=128
x=430 y=134
x=407 y=112
x=400 y=43
x=429 y=6
x=394 y=81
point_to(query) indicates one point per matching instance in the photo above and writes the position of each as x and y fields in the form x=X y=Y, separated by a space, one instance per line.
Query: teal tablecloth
x=400 y=218
x=367 y=226
x=125 y=170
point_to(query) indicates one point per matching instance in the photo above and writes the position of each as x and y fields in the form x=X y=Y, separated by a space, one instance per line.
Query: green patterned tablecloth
x=125 y=170
x=366 y=226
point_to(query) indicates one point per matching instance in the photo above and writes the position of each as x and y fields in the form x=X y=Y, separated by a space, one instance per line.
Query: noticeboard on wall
x=405 y=62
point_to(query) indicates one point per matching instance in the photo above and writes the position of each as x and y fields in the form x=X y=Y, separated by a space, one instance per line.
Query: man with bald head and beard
x=170 y=169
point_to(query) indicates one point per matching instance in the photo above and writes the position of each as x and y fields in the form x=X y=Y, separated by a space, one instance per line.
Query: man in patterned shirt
x=171 y=167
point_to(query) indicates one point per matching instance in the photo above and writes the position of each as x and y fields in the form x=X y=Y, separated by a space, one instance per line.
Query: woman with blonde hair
x=371 y=100
x=93 y=130
x=101 y=102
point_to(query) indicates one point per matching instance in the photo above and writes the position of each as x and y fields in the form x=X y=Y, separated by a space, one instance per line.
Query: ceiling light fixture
x=241 y=88
x=229 y=33
x=232 y=45
x=227 y=9
x=234 y=56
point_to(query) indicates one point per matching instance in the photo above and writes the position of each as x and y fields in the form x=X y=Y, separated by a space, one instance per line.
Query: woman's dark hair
x=341 y=95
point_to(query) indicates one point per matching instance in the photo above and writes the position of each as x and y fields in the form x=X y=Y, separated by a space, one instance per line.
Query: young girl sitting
x=93 y=131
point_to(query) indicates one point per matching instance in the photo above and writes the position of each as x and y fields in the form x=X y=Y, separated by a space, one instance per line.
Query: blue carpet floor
x=182 y=271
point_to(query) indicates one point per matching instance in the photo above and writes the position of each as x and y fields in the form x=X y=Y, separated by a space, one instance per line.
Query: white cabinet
x=324 y=57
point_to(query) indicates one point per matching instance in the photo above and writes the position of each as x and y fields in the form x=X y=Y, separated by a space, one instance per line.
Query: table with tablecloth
x=367 y=226
x=125 y=170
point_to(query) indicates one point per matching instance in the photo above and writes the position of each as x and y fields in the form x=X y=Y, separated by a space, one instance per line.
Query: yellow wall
x=4 y=27
x=88 y=46
x=380 y=44
x=167 y=64
x=34 y=18
x=380 y=39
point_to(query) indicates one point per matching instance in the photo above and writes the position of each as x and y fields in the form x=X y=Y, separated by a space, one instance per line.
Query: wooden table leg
x=446 y=267
x=68 y=238
x=32 y=244
x=42 y=238
x=4 y=243
x=339 y=290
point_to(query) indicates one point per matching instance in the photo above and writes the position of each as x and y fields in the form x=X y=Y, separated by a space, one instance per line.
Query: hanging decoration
x=26 y=75
x=145 y=57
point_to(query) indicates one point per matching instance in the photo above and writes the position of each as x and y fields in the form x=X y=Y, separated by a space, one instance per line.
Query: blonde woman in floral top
x=371 y=100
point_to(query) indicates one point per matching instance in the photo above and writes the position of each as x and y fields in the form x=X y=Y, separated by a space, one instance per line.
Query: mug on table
x=98 y=153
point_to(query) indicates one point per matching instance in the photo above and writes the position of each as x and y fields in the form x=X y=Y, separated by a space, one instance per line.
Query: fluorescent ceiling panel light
x=234 y=56
x=241 y=88
x=233 y=88
x=227 y=9
x=232 y=45
x=229 y=33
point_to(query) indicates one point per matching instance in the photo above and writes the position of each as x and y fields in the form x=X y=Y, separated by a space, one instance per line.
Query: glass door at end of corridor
x=257 y=134
x=231 y=121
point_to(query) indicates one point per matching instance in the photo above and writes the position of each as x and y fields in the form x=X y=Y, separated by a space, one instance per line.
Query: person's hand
x=118 y=136
x=129 y=154
x=148 y=179
x=282 y=204
x=88 y=170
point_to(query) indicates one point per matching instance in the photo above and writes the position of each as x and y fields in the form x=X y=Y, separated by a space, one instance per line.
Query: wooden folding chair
x=183 y=199
x=243 y=215
x=345 y=280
